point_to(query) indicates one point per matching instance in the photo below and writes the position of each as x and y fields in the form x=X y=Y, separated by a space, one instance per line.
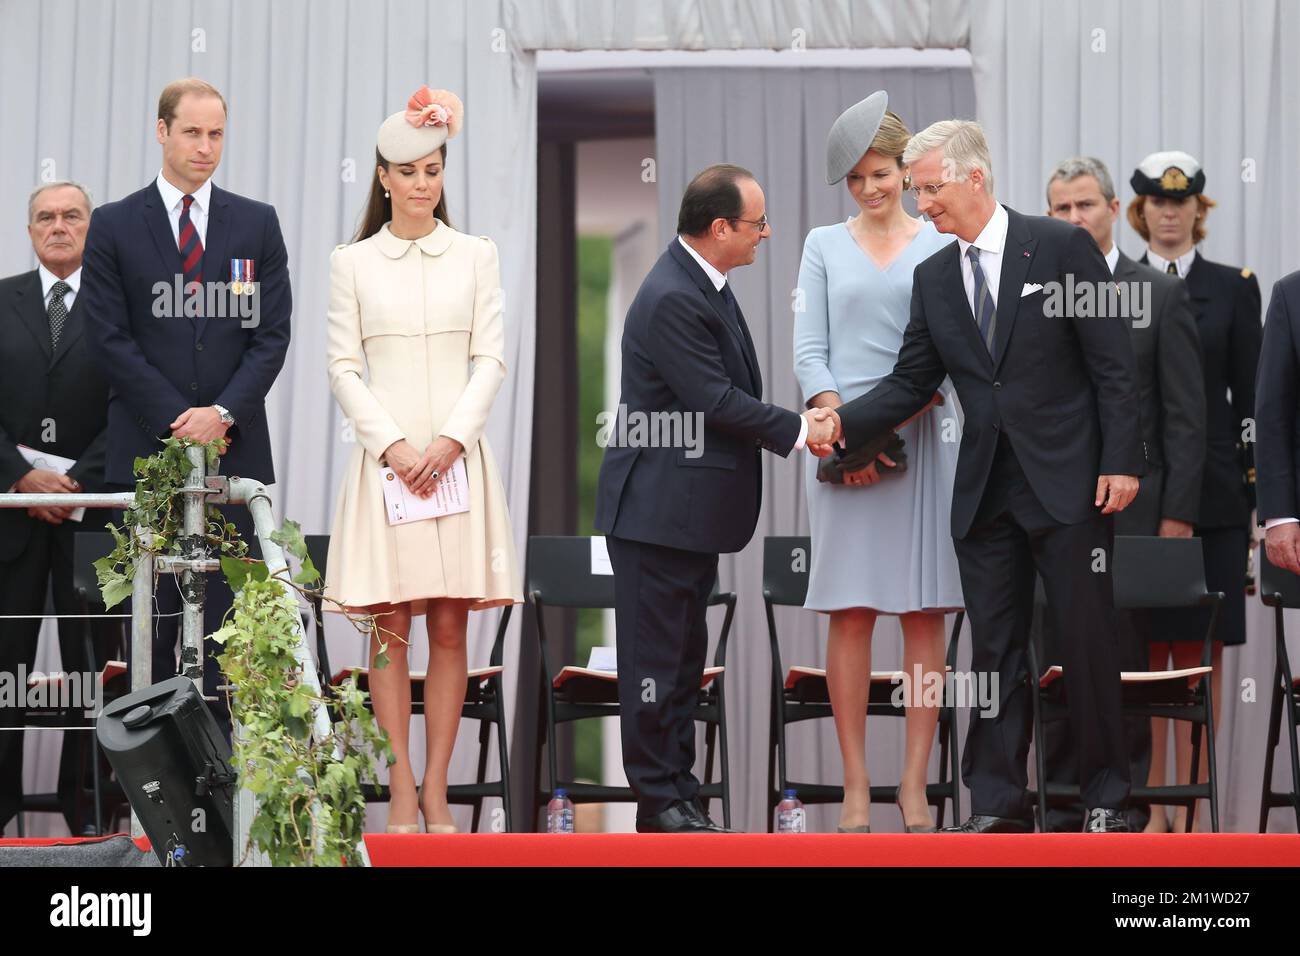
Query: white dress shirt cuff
x=1272 y=523
x=803 y=434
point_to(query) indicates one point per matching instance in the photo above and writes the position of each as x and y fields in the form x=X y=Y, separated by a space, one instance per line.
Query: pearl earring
x=385 y=193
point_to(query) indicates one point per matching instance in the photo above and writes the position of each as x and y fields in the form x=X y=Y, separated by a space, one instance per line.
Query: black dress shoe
x=680 y=817
x=703 y=817
x=983 y=823
x=1101 y=820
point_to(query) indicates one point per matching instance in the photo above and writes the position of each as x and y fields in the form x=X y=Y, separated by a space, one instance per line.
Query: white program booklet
x=603 y=658
x=450 y=496
x=52 y=462
x=600 y=563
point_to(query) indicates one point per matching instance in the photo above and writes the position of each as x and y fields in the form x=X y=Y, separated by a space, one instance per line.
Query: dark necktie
x=58 y=311
x=985 y=310
x=1172 y=269
x=732 y=307
x=190 y=246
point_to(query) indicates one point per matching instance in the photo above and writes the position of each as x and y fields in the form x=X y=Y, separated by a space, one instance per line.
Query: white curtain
x=738 y=24
x=1121 y=80
x=307 y=86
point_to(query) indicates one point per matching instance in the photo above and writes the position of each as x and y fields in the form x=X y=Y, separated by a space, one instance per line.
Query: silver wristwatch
x=226 y=417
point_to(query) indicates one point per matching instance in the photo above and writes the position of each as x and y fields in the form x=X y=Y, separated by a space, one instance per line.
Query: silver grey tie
x=58 y=311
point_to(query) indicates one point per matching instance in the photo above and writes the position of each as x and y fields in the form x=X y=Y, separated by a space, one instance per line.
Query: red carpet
x=820 y=849
x=826 y=849
x=141 y=842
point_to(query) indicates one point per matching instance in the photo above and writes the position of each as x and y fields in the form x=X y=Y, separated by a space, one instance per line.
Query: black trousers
x=46 y=564
x=1012 y=537
x=1135 y=631
x=660 y=598
x=216 y=602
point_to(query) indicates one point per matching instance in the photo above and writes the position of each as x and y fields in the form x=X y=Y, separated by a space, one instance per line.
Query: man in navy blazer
x=1051 y=448
x=688 y=483
x=1277 y=426
x=187 y=351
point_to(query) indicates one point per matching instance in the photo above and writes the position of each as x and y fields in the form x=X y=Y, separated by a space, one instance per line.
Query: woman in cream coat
x=418 y=305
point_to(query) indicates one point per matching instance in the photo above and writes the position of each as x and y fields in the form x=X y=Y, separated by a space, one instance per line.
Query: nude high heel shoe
x=435 y=827
x=405 y=827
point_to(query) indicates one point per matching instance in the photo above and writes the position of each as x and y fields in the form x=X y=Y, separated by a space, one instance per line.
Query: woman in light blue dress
x=881 y=542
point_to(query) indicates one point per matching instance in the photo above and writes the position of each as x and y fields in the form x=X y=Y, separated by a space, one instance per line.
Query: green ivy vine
x=310 y=797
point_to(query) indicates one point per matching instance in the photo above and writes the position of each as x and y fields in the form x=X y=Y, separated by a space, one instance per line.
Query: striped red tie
x=191 y=249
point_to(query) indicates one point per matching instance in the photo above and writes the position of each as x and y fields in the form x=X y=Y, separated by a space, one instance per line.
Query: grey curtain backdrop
x=740 y=24
x=774 y=122
x=307 y=86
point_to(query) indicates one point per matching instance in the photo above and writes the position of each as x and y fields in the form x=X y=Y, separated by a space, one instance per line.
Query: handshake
x=823 y=430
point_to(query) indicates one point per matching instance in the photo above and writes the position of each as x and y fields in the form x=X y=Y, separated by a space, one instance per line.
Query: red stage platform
x=830 y=849
x=817 y=849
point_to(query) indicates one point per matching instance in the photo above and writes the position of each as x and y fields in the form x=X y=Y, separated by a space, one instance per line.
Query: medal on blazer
x=241 y=276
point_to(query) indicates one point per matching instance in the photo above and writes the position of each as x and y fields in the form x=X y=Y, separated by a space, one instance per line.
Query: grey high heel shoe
x=865 y=828
x=911 y=828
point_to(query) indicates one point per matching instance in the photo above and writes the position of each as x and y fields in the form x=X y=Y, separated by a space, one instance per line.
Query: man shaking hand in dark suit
x=1051 y=448
x=669 y=511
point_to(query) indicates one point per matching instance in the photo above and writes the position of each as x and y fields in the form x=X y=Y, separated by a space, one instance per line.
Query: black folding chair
x=1155 y=573
x=560 y=575
x=800 y=693
x=87 y=548
x=1280 y=589
x=484 y=702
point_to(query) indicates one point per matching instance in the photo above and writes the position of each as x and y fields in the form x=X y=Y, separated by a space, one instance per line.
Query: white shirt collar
x=717 y=278
x=1112 y=257
x=48 y=279
x=993 y=237
x=171 y=196
x=1183 y=262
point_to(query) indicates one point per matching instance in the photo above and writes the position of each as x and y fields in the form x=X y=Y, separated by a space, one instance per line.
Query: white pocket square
x=1030 y=288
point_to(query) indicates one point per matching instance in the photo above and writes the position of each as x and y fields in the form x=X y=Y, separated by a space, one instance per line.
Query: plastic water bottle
x=559 y=813
x=789 y=814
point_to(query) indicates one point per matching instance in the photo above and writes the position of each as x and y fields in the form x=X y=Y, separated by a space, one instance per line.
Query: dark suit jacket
x=682 y=352
x=158 y=367
x=66 y=389
x=1227 y=306
x=1064 y=389
x=1172 y=395
x=1277 y=404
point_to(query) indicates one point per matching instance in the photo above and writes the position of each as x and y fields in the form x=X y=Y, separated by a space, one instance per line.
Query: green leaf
x=236 y=572
x=289 y=536
x=308 y=574
x=300 y=702
x=116 y=590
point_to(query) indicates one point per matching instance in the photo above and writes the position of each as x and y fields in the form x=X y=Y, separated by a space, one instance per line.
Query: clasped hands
x=44 y=481
x=202 y=425
x=823 y=430
x=421 y=471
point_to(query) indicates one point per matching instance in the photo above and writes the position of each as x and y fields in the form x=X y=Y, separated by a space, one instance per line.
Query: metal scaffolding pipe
x=193 y=547
x=253 y=493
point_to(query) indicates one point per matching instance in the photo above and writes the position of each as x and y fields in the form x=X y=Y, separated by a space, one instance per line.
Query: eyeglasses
x=762 y=222
x=930 y=189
